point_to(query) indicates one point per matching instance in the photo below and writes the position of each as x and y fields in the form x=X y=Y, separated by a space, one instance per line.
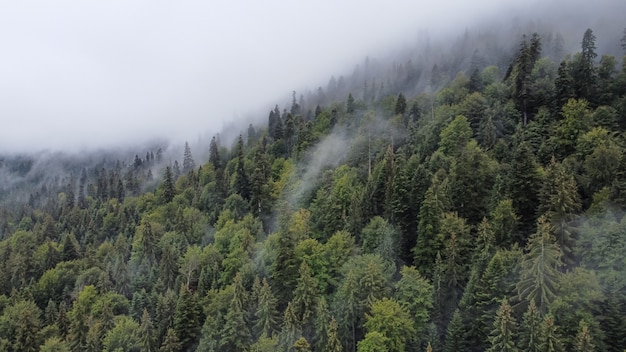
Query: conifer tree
x=583 y=339
x=241 y=182
x=550 y=340
x=266 y=312
x=584 y=71
x=186 y=318
x=400 y=104
x=146 y=333
x=305 y=297
x=504 y=331
x=333 y=344
x=167 y=186
x=523 y=183
x=188 y=163
x=530 y=330
x=455 y=334
x=539 y=274
x=322 y=317
x=171 y=342
x=559 y=199
x=290 y=329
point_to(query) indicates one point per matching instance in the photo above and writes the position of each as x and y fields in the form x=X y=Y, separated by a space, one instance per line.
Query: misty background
x=78 y=76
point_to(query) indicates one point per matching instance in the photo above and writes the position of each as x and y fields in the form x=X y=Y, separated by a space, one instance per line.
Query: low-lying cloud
x=78 y=75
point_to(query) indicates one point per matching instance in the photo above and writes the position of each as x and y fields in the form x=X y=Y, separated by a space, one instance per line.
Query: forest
x=473 y=204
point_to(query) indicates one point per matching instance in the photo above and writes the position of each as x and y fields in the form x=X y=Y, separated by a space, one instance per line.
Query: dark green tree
x=504 y=333
x=167 y=187
x=241 y=183
x=188 y=163
x=186 y=322
x=530 y=329
x=171 y=342
x=400 y=104
x=550 y=340
x=539 y=268
x=267 y=316
x=146 y=333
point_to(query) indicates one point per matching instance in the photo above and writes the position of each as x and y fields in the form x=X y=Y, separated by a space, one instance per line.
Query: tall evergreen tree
x=188 y=163
x=583 y=339
x=187 y=318
x=167 y=187
x=241 y=182
x=146 y=333
x=503 y=336
x=530 y=330
x=539 y=274
x=266 y=312
x=550 y=340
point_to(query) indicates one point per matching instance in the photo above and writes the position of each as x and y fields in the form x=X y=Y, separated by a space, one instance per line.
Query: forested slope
x=476 y=211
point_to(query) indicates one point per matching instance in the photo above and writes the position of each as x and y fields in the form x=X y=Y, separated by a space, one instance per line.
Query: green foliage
x=539 y=275
x=504 y=331
x=410 y=240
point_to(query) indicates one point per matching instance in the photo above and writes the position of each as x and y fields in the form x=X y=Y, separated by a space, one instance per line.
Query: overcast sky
x=88 y=74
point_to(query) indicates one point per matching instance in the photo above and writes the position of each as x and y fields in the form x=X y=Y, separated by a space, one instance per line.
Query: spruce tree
x=455 y=334
x=188 y=163
x=583 y=339
x=333 y=343
x=550 y=340
x=171 y=342
x=504 y=331
x=530 y=330
x=146 y=333
x=539 y=268
x=167 y=187
x=187 y=318
x=266 y=312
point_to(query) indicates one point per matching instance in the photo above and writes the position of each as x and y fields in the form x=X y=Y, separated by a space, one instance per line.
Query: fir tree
x=539 y=275
x=504 y=330
x=583 y=339
x=266 y=312
x=530 y=332
x=171 y=342
x=188 y=163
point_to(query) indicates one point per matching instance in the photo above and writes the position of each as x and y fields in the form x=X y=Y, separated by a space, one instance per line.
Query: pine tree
x=503 y=336
x=235 y=333
x=559 y=199
x=241 y=182
x=305 y=297
x=171 y=342
x=400 y=104
x=584 y=71
x=291 y=328
x=322 y=317
x=523 y=183
x=455 y=334
x=146 y=333
x=167 y=186
x=564 y=86
x=530 y=330
x=266 y=312
x=539 y=275
x=186 y=318
x=583 y=339
x=333 y=344
x=350 y=104
x=188 y=163
x=550 y=340
x=302 y=345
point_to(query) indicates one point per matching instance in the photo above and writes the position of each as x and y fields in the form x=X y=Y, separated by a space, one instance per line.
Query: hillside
x=470 y=203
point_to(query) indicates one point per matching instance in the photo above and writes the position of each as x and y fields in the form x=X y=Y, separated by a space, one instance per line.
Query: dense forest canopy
x=475 y=204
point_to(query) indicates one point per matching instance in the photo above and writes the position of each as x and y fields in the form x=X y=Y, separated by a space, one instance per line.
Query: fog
x=86 y=75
